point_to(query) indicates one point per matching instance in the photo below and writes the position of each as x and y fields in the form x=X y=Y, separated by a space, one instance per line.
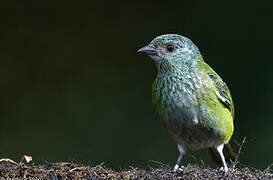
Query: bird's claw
x=177 y=168
x=225 y=169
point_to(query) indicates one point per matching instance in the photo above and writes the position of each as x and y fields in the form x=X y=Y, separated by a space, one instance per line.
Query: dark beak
x=147 y=50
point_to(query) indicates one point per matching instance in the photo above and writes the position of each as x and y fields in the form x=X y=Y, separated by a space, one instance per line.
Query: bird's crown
x=172 y=50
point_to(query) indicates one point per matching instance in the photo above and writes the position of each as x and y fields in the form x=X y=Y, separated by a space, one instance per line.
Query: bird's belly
x=186 y=129
x=194 y=137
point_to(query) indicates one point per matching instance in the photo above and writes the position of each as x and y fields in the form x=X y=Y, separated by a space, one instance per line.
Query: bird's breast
x=178 y=109
x=177 y=100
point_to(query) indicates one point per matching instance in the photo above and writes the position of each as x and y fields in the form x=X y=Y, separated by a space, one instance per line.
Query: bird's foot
x=177 y=168
x=225 y=169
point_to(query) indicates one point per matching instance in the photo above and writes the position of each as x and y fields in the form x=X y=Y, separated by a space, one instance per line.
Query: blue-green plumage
x=193 y=102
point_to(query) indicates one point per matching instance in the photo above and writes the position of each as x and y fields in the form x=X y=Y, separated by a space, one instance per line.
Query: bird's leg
x=181 y=153
x=219 y=148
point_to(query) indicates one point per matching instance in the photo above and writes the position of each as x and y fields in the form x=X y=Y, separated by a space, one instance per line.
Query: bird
x=194 y=103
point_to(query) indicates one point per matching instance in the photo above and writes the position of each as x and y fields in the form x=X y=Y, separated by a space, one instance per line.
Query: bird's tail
x=229 y=154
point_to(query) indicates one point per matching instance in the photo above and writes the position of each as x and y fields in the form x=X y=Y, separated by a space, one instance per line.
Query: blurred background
x=73 y=88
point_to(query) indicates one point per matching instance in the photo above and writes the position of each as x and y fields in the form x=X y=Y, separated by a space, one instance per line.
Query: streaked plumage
x=194 y=104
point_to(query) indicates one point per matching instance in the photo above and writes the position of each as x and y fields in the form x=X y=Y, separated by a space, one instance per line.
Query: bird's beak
x=147 y=50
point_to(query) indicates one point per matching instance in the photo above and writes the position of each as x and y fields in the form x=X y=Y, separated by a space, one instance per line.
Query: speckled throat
x=175 y=88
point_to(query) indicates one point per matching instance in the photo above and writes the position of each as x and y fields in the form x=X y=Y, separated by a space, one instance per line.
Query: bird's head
x=172 y=51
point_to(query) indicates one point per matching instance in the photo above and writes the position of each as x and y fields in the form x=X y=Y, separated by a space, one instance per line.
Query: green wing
x=223 y=92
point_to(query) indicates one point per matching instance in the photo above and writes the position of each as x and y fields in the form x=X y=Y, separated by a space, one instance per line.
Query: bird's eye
x=170 y=47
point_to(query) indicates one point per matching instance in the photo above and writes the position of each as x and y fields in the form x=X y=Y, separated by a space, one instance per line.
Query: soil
x=67 y=170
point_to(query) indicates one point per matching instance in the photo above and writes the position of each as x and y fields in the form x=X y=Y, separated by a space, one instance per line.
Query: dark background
x=73 y=87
